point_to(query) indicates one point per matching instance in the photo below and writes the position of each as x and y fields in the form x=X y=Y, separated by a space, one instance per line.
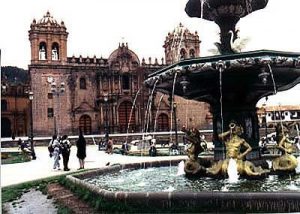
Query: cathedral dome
x=47 y=21
x=123 y=57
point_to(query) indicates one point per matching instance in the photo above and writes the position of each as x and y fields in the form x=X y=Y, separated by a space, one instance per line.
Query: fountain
x=232 y=83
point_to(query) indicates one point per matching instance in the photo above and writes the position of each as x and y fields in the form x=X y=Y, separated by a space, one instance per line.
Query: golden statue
x=286 y=162
x=192 y=166
x=233 y=144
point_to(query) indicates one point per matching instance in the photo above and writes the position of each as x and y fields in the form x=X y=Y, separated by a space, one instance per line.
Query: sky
x=96 y=27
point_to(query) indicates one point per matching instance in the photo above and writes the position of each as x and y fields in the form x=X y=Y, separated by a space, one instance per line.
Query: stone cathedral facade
x=98 y=94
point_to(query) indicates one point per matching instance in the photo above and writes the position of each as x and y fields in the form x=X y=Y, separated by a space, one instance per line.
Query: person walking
x=56 y=152
x=81 y=150
x=65 y=151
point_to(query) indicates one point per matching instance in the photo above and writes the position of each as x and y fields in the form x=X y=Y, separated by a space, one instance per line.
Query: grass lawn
x=14 y=157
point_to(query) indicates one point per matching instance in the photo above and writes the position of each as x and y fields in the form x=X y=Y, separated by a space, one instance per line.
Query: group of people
x=24 y=146
x=62 y=146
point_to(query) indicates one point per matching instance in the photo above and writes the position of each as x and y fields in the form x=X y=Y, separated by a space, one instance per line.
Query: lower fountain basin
x=155 y=185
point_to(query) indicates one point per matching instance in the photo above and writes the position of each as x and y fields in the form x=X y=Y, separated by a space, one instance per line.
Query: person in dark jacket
x=125 y=148
x=65 y=151
x=81 y=150
x=152 y=150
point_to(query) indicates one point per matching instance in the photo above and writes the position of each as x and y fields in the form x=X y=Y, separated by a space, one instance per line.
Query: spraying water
x=280 y=117
x=158 y=108
x=172 y=106
x=186 y=113
x=298 y=132
x=272 y=76
x=202 y=5
x=221 y=69
x=132 y=108
x=292 y=185
x=170 y=189
x=269 y=164
x=298 y=166
x=233 y=176
x=180 y=168
x=147 y=113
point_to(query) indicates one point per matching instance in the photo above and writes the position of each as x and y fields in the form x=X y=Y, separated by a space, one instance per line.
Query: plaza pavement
x=42 y=167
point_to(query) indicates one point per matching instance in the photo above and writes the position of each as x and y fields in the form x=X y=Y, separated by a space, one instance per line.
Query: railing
x=97 y=136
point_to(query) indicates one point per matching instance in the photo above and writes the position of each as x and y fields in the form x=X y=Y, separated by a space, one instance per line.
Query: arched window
x=82 y=83
x=163 y=122
x=124 y=116
x=182 y=54
x=125 y=82
x=5 y=127
x=192 y=53
x=55 y=51
x=42 y=51
x=85 y=124
x=3 y=105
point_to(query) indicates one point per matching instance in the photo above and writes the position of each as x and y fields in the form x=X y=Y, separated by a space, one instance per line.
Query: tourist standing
x=81 y=150
x=50 y=146
x=65 y=150
x=56 y=152
x=152 y=150
x=109 y=148
x=125 y=148
x=174 y=149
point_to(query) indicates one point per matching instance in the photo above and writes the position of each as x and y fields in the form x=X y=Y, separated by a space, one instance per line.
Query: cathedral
x=99 y=95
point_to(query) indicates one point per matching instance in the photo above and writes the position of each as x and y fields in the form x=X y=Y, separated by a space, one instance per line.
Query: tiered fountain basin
x=232 y=84
x=155 y=186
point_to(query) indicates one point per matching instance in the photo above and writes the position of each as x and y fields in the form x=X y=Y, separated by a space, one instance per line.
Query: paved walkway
x=42 y=167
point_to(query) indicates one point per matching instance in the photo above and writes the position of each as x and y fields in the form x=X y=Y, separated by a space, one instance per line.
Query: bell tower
x=48 y=41
x=181 y=44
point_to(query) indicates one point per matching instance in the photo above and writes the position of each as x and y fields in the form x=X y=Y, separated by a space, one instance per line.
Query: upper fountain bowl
x=213 y=10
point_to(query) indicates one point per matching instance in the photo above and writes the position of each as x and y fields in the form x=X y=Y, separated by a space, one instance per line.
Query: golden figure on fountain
x=233 y=144
x=286 y=162
x=192 y=166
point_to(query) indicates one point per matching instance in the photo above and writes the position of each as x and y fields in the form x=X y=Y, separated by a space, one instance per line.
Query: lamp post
x=106 y=119
x=15 y=88
x=57 y=90
x=31 y=126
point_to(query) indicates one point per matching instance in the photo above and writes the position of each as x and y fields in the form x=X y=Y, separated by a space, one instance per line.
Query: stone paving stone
x=32 y=202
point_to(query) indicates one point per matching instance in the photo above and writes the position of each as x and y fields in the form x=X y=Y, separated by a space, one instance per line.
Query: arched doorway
x=124 y=116
x=85 y=124
x=163 y=122
x=5 y=127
